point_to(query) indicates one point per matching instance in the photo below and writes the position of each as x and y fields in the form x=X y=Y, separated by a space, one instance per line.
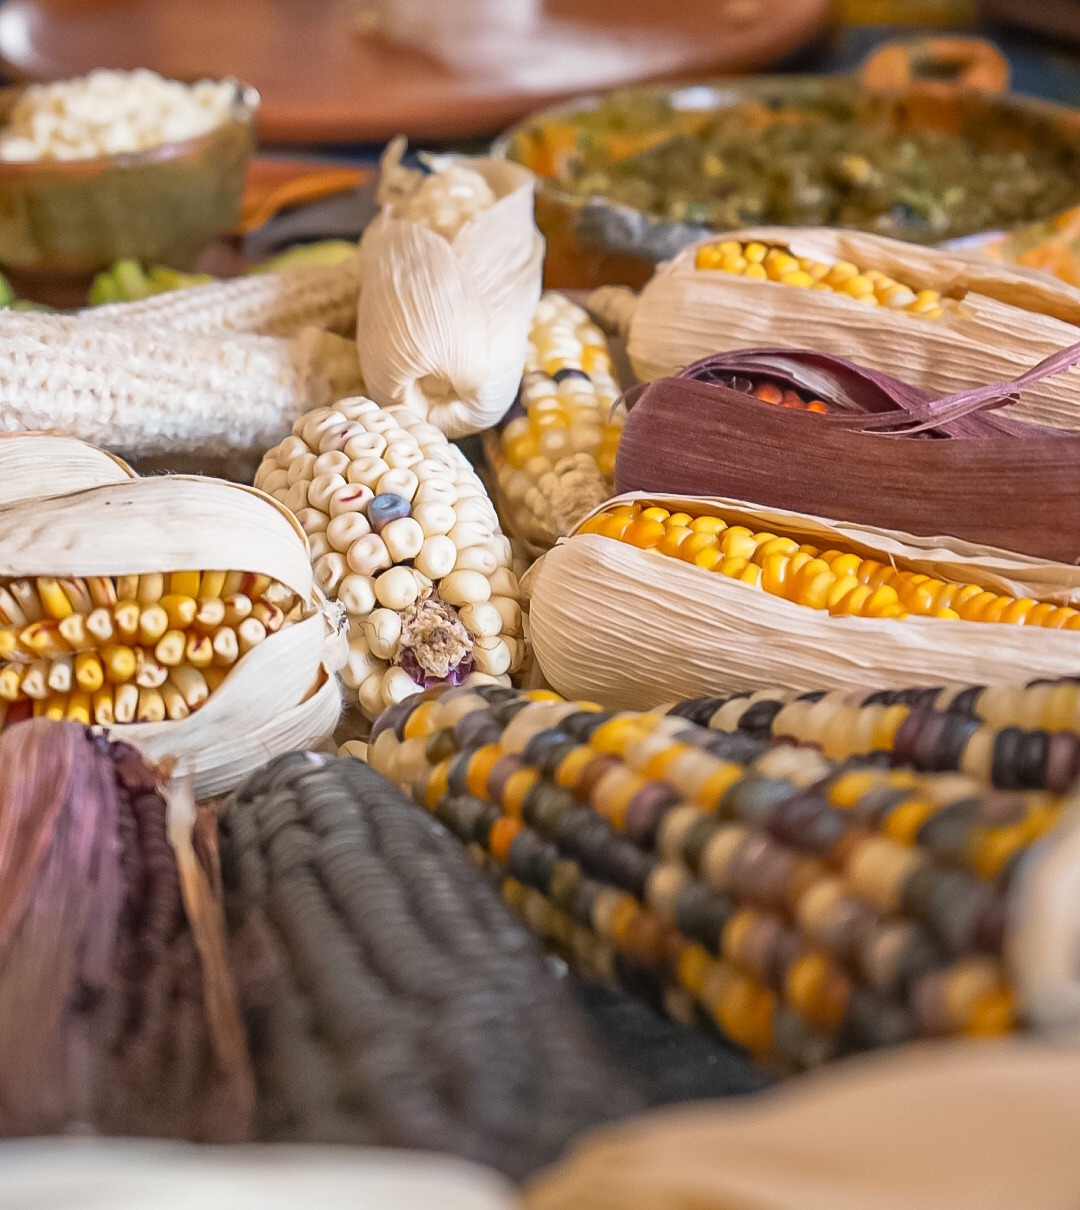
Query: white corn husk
x=634 y=629
x=279 y=696
x=1010 y=318
x=41 y=464
x=156 y=392
x=443 y=319
x=135 y=1174
x=281 y=303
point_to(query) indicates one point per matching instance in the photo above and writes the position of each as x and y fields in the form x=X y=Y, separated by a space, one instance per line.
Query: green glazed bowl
x=69 y=219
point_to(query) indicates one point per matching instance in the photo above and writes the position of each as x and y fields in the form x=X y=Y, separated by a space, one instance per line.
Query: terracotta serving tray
x=324 y=80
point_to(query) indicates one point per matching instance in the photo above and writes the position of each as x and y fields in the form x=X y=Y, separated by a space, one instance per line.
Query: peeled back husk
x=30 y=462
x=1009 y=318
x=442 y=322
x=633 y=629
x=278 y=696
x=1012 y=485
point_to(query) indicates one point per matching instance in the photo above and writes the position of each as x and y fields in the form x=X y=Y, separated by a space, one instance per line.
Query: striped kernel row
x=843 y=583
x=775 y=263
x=129 y=649
x=806 y=908
x=1013 y=737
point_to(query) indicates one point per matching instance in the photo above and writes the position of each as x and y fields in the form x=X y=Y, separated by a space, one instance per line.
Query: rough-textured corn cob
x=776 y=264
x=265 y=304
x=390 y=997
x=1011 y=736
x=103 y=994
x=843 y=583
x=156 y=391
x=404 y=536
x=553 y=456
x=806 y=907
x=129 y=649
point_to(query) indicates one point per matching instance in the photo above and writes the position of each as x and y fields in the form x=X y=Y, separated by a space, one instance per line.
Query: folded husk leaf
x=693 y=435
x=1011 y=318
x=634 y=629
x=281 y=694
x=35 y=463
x=442 y=324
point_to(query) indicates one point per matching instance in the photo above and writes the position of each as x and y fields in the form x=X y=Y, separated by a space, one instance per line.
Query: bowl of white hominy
x=120 y=164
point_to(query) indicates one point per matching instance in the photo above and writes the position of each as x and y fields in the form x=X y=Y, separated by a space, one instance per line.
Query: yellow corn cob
x=842 y=583
x=164 y=392
x=777 y=264
x=264 y=304
x=554 y=456
x=72 y=667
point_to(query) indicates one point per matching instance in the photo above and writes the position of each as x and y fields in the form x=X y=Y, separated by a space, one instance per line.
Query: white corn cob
x=429 y=594
x=160 y=392
x=443 y=199
x=265 y=304
x=553 y=457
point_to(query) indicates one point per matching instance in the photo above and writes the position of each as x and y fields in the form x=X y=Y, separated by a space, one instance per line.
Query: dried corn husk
x=281 y=694
x=1010 y=318
x=633 y=629
x=961 y=1125
x=449 y=280
x=153 y=391
x=280 y=303
x=123 y=1174
x=36 y=464
x=693 y=435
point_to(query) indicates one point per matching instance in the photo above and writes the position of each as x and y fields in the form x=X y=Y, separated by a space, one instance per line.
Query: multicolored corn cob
x=806 y=908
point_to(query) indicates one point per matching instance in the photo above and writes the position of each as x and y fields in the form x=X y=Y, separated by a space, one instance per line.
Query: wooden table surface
x=324 y=81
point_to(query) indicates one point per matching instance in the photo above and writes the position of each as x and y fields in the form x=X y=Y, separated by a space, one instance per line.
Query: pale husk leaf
x=443 y=324
x=1011 y=319
x=43 y=464
x=634 y=629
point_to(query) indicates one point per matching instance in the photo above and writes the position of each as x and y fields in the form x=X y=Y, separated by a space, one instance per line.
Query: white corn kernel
x=492 y=656
x=333 y=462
x=313 y=520
x=382 y=629
x=330 y=570
x=357 y=594
x=404 y=538
x=477 y=559
x=400 y=481
x=397 y=588
x=365 y=444
x=322 y=488
x=371 y=697
x=397 y=685
x=435 y=518
x=482 y=620
x=368 y=555
x=465 y=587
x=436 y=557
x=347 y=528
x=351 y=498
x=367 y=471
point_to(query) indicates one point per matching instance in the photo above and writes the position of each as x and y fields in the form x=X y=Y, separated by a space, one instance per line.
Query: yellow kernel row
x=776 y=264
x=845 y=584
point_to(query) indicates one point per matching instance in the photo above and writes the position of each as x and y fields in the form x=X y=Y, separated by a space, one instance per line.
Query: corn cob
x=391 y=998
x=161 y=392
x=104 y=993
x=553 y=455
x=776 y=264
x=845 y=584
x=266 y=304
x=1010 y=736
x=403 y=535
x=129 y=649
x=806 y=907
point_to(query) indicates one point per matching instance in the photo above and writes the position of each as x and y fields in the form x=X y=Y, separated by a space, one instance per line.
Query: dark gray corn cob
x=390 y=996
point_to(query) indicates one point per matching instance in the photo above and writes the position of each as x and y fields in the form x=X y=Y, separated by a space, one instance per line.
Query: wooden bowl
x=68 y=219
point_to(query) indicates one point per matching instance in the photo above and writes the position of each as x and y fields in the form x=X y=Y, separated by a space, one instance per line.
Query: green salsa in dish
x=812 y=153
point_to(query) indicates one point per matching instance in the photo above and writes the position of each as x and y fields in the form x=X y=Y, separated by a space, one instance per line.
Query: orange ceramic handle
x=948 y=64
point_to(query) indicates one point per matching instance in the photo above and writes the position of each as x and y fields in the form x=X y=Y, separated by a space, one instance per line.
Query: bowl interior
x=622 y=147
